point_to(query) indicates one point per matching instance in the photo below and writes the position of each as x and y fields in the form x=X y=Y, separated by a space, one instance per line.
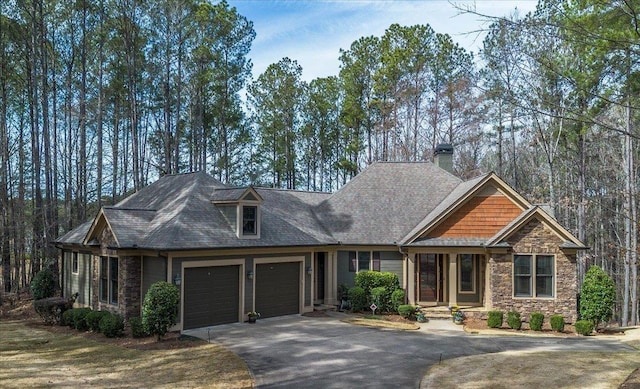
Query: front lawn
x=31 y=357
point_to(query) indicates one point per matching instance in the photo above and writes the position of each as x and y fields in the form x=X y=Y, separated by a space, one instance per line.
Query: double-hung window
x=533 y=275
x=109 y=280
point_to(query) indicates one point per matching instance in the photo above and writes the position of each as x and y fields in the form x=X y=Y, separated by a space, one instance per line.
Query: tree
x=160 y=308
x=598 y=296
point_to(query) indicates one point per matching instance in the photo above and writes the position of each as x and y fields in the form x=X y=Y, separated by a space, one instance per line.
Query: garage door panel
x=278 y=289
x=211 y=296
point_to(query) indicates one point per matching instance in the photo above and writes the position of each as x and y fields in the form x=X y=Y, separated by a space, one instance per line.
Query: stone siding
x=534 y=238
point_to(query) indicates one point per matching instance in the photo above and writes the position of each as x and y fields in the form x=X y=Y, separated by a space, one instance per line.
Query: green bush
x=406 y=310
x=584 y=327
x=513 y=320
x=52 y=309
x=43 y=284
x=160 y=308
x=93 y=319
x=137 y=329
x=536 y=320
x=378 y=297
x=112 y=325
x=358 y=299
x=79 y=316
x=557 y=323
x=368 y=280
x=397 y=299
x=597 y=297
x=495 y=319
x=343 y=291
x=67 y=318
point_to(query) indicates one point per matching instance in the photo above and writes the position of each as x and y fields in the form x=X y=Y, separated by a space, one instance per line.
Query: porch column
x=453 y=279
x=410 y=282
x=331 y=279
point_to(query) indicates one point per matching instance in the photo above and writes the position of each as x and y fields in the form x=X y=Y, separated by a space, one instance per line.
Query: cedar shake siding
x=480 y=217
x=534 y=238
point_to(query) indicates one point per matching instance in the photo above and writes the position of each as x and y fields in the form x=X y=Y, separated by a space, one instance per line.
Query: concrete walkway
x=323 y=352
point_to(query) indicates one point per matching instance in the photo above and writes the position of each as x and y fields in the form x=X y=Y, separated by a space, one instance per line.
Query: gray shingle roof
x=384 y=202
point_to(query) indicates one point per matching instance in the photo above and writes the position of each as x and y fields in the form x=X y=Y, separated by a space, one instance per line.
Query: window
x=109 y=279
x=249 y=220
x=74 y=263
x=363 y=260
x=353 y=261
x=526 y=269
x=466 y=273
x=375 y=263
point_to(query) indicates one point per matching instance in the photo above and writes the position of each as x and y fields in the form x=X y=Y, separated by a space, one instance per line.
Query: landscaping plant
x=397 y=299
x=358 y=299
x=112 y=325
x=137 y=329
x=43 y=284
x=93 y=319
x=406 y=310
x=535 y=321
x=597 y=297
x=513 y=320
x=160 y=308
x=557 y=323
x=370 y=280
x=495 y=319
x=584 y=327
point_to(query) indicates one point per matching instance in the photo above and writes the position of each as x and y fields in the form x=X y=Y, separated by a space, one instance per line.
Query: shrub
x=43 y=284
x=67 y=318
x=343 y=291
x=358 y=299
x=93 y=319
x=160 y=308
x=557 y=323
x=137 y=329
x=52 y=309
x=584 y=327
x=406 y=310
x=513 y=320
x=79 y=316
x=378 y=297
x=368 y=280
x=536 y=320
x=397 y=299
x=597 y=297
x=112 y=325
x=495 y=319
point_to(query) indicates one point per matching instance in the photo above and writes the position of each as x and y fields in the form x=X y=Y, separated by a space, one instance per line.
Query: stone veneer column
x=129 y=286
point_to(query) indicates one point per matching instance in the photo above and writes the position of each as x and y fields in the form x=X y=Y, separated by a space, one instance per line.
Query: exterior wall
x=534 y=238
x=154 y=269
x=344 y=275
x=79 y=282
x=481 y=216
x=391 y=261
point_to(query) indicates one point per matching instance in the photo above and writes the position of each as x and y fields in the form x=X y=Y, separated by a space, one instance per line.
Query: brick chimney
x=443 y=157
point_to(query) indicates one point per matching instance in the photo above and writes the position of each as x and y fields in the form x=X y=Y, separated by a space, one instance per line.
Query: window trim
x=533 y=276
x=107 y=284
x=354 y=261
x=474 y=275
x=240 y=220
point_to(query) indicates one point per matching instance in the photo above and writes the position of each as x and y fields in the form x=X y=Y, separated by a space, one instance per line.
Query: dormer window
x=249 y=220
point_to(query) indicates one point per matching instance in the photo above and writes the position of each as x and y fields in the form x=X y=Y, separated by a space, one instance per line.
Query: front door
x=430 y=278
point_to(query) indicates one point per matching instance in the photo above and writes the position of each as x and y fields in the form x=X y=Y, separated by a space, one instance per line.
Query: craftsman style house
x=232 y=250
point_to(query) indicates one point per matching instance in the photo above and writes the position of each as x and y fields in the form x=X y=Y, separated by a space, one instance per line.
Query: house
x=237 y=249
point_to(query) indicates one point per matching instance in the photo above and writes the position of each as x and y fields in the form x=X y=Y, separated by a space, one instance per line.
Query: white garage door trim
x=257 y=261
x=221 y=262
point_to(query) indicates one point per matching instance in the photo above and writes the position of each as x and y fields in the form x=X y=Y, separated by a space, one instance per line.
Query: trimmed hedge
x=584 y=327
x=160 y=308
x=397 y=299
x=112 y=325
x=93 y=319
x=370 y=280
x=513 y=320
x=535 y=321
x=378 y=296
x=358 y=299
x=495 y=319
x=52 y=309
x=79 y=316
x=557 y=323
x=137 y=329
x=406 y=310
x=598 y=296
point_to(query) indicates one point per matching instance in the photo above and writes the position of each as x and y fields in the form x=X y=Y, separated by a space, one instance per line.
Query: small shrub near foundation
x=513 y=320
x=584 y=327
x=535 y=321
x=557 y=323
x=93 y=319
x=137 y=329
x=112 y=325
x=495 y=319
x=406 y=310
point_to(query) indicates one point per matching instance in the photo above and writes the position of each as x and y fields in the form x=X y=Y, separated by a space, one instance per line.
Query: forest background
x=99 y=98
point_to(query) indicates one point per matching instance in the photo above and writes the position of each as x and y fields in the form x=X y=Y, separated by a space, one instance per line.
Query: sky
x=312 y=32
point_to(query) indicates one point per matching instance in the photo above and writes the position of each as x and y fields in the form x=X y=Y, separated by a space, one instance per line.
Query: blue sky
x=313 y=32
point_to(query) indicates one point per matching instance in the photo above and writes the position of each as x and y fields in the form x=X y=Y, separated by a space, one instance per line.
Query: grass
x=534 y=370
x=37 y=358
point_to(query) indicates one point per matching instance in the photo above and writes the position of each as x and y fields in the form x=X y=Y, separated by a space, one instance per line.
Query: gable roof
x=461 y=194
x=383 y=203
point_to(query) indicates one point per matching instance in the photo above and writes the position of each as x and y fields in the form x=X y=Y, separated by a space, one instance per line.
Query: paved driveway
x=312 y=352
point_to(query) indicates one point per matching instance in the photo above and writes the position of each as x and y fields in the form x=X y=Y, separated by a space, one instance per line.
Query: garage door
x=211 y=296
x=278 y=289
